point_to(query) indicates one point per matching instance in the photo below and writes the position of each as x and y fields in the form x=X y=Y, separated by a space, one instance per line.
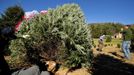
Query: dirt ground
x=115 y=52
x=81 y=71
x=111 y=61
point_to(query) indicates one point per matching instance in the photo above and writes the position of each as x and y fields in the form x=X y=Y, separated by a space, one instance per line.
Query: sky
x=95 y=11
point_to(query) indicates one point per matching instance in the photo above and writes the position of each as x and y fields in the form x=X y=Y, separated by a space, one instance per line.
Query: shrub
x=61 y=35
x=118 y=45
x=106 y=45
x=18 y=50
x=108 y=39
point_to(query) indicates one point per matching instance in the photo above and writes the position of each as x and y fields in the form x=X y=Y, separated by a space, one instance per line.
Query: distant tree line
x=98 y=29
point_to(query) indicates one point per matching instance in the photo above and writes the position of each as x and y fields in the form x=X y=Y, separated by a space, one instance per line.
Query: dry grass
x=115 y=52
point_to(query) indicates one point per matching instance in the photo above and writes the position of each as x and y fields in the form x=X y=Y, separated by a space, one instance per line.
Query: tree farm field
x=113 y=48
x=114 y=42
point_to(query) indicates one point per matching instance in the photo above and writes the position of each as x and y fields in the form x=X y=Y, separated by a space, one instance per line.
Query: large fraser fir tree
x=60 y=35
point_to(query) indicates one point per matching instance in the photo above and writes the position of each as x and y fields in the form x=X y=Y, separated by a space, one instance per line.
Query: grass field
x=113 y=42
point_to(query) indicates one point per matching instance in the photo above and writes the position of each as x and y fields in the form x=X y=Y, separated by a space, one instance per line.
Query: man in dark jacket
x=6 y=34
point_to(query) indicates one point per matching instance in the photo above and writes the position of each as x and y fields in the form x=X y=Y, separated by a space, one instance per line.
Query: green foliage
x=60 y=35
x=105 y=45
x=132 y=41
x=98 y=29
x=118 y=45
x=11 y=16
x=108 y=39
x=17 y=47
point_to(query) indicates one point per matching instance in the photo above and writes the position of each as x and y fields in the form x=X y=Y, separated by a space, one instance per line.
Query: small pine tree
x=108 y=39
x=11 y=16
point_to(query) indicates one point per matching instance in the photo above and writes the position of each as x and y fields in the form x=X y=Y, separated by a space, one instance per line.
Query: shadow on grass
x=107 y=65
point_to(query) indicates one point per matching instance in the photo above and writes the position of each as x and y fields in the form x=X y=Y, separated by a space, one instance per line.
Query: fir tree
x=61 y=35
x=11 y=16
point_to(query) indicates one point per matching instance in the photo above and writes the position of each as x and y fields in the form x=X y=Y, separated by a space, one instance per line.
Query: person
x=127 y=35
x=101 y=42
x=38 y=67
x=6 y=34
x=35 y=69
x=4 y=68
